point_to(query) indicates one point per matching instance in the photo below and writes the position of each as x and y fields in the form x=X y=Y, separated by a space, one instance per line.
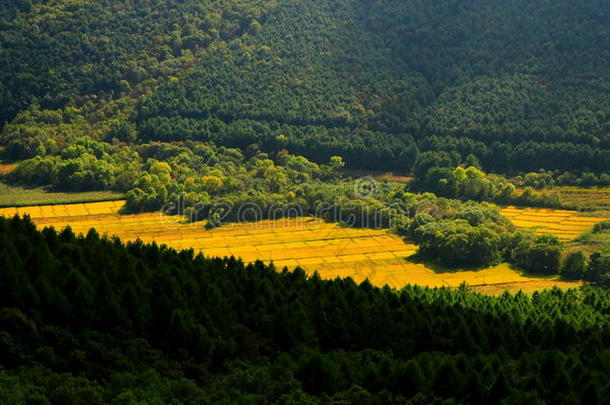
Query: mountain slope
x=359 y=78
x=509 y=72
x=90 y=320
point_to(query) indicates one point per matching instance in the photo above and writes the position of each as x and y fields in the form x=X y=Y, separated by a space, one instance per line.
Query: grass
x=13 y=196
x=590 y=242
x=316 y=246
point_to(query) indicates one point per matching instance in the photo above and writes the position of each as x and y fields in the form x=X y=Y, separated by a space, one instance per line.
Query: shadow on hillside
x=439 y=269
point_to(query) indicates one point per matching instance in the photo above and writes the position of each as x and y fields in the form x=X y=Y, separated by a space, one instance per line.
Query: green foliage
x=436 y=173
x=603 y=226
x=574 y=265
x=598 y=269
x=494 y=85
x=457 y=243
x=380 y=66
x=542 y=254
x=65 y=51
x=460 y=234
x=88 y=86
x=115 y=323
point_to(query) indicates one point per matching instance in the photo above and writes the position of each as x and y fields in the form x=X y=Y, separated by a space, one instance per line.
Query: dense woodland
x=89 y=320
x=197 y=107
x=519 y=85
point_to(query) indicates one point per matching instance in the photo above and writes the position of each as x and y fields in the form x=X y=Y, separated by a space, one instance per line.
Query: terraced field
x=590 y=197
x=564 y=224
x=331 y=250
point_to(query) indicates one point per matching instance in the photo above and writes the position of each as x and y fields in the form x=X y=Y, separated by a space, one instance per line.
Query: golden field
x=6 y=168
x=564 y=224
x=590 y=197
x=331 y=250
x=378 y=175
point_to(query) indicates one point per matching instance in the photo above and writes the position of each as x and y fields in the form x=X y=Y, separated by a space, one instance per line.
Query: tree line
x=85 y=318
x=320 y=78
x=205 y=182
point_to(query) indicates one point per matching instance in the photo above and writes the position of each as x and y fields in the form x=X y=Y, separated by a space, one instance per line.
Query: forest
x=518 y=111
x=518 y=85
x=90 y=320
x=196 y=108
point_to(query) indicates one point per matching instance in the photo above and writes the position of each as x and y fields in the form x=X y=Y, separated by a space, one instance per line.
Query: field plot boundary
x=588 y=197
x=565 y=224
x=310 y=243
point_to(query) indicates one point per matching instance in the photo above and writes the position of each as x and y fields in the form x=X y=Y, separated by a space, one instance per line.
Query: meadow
x=11 y=196
x=313 y=244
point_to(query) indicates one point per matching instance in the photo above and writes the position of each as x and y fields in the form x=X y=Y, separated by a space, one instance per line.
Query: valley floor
x=330 y=249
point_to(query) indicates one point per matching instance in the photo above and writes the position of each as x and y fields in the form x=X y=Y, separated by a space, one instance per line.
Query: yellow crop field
x=331 y=250
x=592 y=197
x=564 y=224
x=6 y=168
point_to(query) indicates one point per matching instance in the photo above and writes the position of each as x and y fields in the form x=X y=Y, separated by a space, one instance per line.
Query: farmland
x=591 y=197
x=7 y=167
x=18 y=196
x=379 y=175
x=331 y=250
x=564 y=224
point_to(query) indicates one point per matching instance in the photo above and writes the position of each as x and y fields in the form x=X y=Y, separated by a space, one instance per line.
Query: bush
x=457 y=243
x=574 y=265
x=541 y=255
x=601 y=227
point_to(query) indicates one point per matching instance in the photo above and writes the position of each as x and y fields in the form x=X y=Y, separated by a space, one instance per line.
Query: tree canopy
x=518 y=85
x=89 y=320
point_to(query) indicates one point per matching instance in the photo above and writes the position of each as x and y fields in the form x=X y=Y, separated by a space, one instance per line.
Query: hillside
x=275 y=130
x=95 y=321
x=366 y=80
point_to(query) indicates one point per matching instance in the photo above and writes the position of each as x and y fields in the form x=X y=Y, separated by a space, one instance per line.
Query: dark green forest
x=520 y=85
x=209 y=104
x=90 y=320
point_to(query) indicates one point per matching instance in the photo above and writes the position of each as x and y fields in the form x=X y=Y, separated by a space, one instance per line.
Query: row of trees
x=567 y=159
x=220 y=185
x=90 y=319
x=437 y=172
x=594 y=268
x=359 y=147
x=544 y=179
